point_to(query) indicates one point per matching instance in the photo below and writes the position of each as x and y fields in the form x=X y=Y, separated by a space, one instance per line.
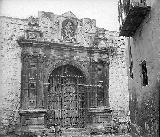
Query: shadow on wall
x=145 y=118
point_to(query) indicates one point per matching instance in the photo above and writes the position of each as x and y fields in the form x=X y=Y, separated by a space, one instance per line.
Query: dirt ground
x=127 y=135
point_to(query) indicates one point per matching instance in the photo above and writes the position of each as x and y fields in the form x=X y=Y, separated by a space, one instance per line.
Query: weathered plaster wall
x=10 y=66
x=118 y=79
x=144 y=100
x=50 y=25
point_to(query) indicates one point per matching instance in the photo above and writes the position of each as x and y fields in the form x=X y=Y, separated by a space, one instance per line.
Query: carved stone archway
x=66 y=96
x=55 y=64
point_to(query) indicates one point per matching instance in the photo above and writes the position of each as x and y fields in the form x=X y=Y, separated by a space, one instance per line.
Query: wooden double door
x=67 y=97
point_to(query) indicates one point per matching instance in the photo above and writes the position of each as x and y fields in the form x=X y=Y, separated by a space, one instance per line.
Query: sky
x=104 y=11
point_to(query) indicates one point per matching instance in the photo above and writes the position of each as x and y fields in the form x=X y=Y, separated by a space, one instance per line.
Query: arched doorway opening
x=67 y=97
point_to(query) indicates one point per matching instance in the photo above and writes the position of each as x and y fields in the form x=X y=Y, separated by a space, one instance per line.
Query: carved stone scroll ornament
x=33 y=34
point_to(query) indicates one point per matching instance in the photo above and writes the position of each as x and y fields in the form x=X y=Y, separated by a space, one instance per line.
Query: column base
x=32 y=120
x=100 y=114
x=100 y=120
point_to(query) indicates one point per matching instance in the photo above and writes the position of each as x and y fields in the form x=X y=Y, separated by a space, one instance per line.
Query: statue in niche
x=68 y=31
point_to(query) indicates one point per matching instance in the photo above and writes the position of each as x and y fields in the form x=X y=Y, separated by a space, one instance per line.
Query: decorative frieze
x=33 y=34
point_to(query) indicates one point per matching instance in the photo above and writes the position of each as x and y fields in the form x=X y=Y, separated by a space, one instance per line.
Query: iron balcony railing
x=131 y=8
x=125 y=5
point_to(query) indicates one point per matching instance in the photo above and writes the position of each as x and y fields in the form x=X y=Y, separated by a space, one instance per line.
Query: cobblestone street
x=127 y=135
x=86 y=134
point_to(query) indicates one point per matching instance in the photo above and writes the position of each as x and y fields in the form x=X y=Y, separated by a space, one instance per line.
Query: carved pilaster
x=106 y=95
x=40 y=93
x=32 y=81
x=32 y=112
x=45 y=90
x=24 y=82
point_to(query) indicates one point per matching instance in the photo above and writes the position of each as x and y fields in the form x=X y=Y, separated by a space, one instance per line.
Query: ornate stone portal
x=67 y=98
x=60 y=81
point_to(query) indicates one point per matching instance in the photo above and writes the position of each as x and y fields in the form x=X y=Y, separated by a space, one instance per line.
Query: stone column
x=40 y=89
x=45 y=90
x=24 y=83
x=32 y=118
x=106 y=87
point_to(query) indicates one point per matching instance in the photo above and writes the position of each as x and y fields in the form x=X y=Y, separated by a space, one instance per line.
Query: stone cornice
x=32 y=111
x=62 y=46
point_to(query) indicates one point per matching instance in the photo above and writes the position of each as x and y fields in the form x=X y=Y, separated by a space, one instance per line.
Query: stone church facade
x=60 y=70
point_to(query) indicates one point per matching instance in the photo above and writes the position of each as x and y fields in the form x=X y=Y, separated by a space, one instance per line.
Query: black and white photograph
x=79 y=68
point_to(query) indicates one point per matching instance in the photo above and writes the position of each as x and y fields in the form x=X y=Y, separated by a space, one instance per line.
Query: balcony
x=131 y=15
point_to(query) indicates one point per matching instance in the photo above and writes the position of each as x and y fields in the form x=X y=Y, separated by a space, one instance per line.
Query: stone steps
x=72 y=132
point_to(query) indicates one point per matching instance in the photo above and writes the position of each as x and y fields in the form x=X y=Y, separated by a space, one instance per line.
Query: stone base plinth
x=99 y=115
x=32 y=120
